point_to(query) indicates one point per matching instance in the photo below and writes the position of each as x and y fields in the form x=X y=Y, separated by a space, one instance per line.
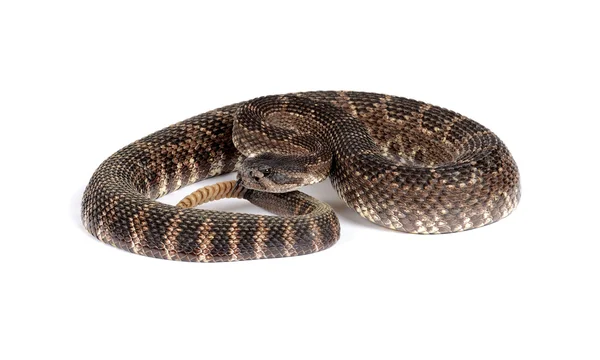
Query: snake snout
x=256 y=175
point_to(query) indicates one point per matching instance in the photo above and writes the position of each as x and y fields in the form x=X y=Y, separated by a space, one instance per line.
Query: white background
x=79 y=80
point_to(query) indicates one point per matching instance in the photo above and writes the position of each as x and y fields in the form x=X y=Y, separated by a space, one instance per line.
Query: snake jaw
x=272 y=173
x=275 y=183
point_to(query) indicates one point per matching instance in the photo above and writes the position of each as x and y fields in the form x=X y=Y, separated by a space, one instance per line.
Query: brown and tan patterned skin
x=400 y=163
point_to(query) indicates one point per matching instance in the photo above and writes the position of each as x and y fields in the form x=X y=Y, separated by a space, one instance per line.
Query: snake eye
x=266 y=171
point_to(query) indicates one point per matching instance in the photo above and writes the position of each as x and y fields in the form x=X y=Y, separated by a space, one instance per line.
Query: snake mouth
x=268 y=186
x=265 y=184
x=268 y=179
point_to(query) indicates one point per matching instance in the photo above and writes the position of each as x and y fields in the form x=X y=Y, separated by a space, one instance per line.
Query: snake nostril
x=256 y=175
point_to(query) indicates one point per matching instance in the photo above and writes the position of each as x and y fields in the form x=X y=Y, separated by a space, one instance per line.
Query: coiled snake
x=399 y=163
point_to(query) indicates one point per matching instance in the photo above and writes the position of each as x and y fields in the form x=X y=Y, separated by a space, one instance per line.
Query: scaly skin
x=400 y=163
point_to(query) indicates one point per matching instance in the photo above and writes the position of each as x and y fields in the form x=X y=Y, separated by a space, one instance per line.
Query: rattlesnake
x=399 y=163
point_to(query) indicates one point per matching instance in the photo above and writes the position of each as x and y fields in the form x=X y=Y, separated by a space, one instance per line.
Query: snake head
x=274 y=173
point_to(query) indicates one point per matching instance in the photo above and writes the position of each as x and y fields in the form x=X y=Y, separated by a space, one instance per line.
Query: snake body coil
x=400 y=163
